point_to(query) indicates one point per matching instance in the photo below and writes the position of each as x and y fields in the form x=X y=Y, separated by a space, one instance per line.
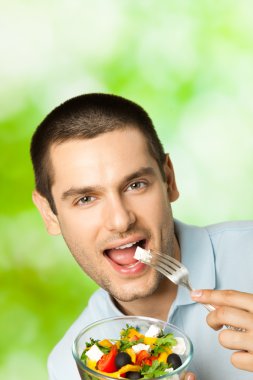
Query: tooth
x=126 y=246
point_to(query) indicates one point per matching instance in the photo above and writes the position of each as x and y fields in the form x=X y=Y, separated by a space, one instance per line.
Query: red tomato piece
x=107 y=361
x=141 y=357
x=149 y=360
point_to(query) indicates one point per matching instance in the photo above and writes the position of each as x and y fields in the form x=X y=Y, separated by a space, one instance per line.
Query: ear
x=50 y=219
x=173 y=192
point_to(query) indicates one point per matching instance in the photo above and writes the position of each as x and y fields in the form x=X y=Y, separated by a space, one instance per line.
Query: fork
x=173 y=270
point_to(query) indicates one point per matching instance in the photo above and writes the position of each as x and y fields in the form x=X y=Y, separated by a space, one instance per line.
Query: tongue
x=122 y=256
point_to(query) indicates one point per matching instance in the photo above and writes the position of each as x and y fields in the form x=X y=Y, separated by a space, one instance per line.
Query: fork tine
x=159 y=262
x=162 y=269
x=162 y=262
x=167 y=260
x=172 y=269
x=168 y=269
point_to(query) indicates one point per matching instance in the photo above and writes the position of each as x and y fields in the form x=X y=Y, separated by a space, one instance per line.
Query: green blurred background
x=189 y=63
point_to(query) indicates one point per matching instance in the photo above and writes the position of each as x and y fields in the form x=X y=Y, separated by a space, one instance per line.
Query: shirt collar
x=198 y=257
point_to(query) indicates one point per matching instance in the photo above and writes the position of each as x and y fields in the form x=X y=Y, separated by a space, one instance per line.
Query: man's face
x=110 y=197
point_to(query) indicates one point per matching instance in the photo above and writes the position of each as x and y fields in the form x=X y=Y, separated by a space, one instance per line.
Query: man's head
x=85 y=117
x=105 y=184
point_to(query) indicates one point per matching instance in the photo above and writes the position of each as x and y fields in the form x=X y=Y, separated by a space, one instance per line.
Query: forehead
x=104 y=158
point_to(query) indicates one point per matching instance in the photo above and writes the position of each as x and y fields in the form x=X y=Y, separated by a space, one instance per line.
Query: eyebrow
x=74 y=191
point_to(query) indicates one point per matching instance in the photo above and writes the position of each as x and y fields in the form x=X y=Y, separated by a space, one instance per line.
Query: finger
x=190 y=376
x=242 y=360
x=233 y=298
x=225 y=315
x=235 y=340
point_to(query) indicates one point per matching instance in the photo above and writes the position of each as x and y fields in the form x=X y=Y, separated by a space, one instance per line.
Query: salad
x=135 y=355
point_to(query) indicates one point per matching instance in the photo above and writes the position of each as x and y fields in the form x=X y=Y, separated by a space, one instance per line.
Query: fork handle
x=208 y=307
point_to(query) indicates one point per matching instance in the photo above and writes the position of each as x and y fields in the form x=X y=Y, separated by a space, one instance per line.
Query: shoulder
x=222 y=253
x=240 y=232
x=237 y=227
x=225 y=239
x=61 y=365
x=233 y=236
x=232 y=244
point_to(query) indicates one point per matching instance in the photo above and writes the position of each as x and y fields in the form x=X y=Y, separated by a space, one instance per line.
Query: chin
x=134 y=292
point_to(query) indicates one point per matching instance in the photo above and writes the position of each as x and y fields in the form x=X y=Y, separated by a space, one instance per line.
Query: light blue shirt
x=218 y=257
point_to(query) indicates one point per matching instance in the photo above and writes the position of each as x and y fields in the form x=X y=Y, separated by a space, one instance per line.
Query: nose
x=118 y=216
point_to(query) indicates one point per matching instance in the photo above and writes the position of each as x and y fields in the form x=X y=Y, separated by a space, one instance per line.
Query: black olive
x=174 y=360
x=133 y=375
x=122 y=358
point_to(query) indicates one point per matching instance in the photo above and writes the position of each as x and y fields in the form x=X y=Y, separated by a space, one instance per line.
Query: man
x=104 y=182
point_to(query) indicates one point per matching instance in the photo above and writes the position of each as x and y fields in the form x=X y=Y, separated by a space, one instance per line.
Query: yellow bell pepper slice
x=91 y=363
x=150 y=340
x=162 y=358
x=168 y=350
x=132 y=354
x=105 y=343
x=129 y=367
x=124 y=369
x=133 y=332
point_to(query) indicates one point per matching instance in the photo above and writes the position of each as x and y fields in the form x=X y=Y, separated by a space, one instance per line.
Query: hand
x=233 y=308
x=190 y=376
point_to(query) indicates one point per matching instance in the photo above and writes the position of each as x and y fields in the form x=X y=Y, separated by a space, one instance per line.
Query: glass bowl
x=110 y=328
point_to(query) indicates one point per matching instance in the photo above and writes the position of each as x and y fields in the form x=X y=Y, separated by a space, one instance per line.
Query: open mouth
x=124 y=255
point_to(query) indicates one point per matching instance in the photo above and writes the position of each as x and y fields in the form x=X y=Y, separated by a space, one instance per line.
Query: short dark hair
x=84 y=117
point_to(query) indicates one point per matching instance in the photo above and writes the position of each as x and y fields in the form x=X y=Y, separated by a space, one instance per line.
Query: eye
x=136 y=185
x=86 y=200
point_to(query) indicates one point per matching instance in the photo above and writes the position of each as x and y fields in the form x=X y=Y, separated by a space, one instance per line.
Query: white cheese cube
x=142 y=255
x=180 y=347
x=94 y=353
x=153 y=331
x=140 y=346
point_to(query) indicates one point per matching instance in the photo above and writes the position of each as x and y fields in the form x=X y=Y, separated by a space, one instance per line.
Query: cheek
x=160 y=208
x=78 y=228
x=162 y=217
